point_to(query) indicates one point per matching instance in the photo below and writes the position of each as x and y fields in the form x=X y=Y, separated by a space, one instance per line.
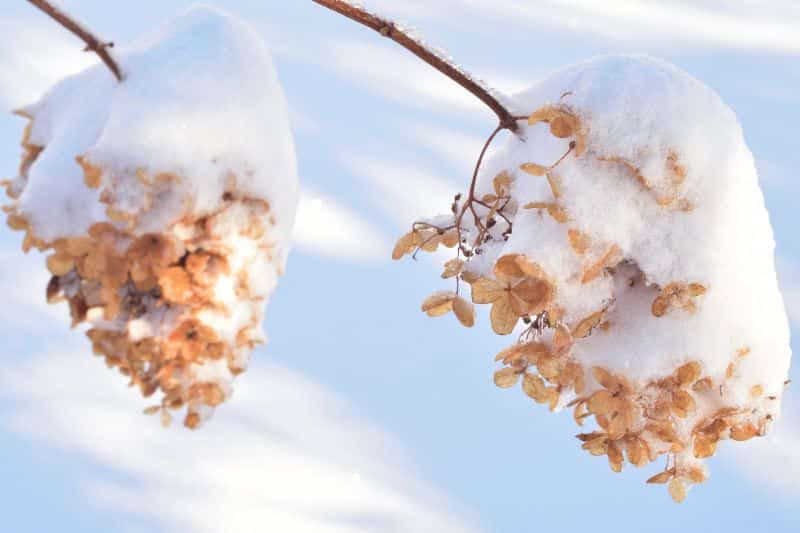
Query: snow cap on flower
x=621 y=234
x=165 y=203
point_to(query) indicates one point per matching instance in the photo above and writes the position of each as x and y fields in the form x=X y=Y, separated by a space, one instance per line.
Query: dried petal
x=683 y=403
x=562 y=127
x=406 y=244
x=450 y=238
x=486 y=291
x=601 y=402
x=506 y=377
x=605 y=378
x=580 y=242
x=636 y=452
x=464 y=311
x=688 y=374
x=677 y=490
x=438 y=303
x=509 y=267
x=503 y=316
x=585 y=326
x=611 y=258
x=615 y=458
x=535 y=388
x=452 y=268
x=534 y=169
x=502 y=184
x=744 y=432
x=662 y=477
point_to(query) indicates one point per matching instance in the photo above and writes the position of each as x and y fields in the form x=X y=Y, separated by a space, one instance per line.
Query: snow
x=200 y=98
x=653 y=233
x=186 y=173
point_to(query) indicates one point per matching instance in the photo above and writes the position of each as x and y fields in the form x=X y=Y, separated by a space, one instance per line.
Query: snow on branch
x=93 y=43
x=435 y=59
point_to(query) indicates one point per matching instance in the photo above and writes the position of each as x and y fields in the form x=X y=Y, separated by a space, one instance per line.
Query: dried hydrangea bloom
x=622 y=236
x=165 y=204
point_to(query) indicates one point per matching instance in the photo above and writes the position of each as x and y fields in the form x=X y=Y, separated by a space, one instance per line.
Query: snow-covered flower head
x=166 y=203
x=622 y=235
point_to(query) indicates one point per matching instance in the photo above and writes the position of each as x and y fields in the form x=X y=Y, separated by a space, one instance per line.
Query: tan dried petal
x=60 y=265
x=696 y=475
x=17 y=222
x=688 y=374
x=452 y=268
x=166 y=418
x=176 y=285
x=605 y=378
x=470 y=277
x=555 y=186
x=503 y=316
x=562 y=340
x=562 y=127
x=615 y=458
x=506 y=377
x=438 y=303
x=601 y=402
x=580 y=242
x=553 y=397
x=192 y=421
x=611 y=258
x=535 y=388
x=586 y=437
x=509 y=268
x=703 y=385
x=677 y=490
x=683 y=403
x=704 y=446
x=660 y=305
x=431 y=244
x=636 y=452
x=450 y=238
x=502 y=184
x=535 y=293
x=486 y=291
x=544 y=114
x=585 y=326
x=92 y=175
x=464 y=311
x=579 y=413
x=78 y=246
x=662 y=477
x=744 y=432
x=549 y=367
x=556 y=211
x=695 y=289
x=533 y=169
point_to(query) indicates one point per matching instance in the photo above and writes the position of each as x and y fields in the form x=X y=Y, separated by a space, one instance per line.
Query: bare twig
x=390 y=30
x=93 y=43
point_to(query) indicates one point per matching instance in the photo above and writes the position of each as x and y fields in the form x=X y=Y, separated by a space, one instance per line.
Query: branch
x=93 y=43
x=389 y=29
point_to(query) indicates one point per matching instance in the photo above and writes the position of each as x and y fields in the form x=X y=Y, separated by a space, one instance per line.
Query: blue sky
x=361 y=414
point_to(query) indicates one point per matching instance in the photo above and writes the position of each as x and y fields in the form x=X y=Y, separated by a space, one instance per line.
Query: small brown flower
x=520 y=288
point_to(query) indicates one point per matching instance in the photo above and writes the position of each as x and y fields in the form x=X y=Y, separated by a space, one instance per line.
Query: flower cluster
x=176 y=311
x=582 y=290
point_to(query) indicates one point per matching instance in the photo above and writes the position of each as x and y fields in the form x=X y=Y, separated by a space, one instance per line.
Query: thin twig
x=93 y=43
x=390 y=30
x=473 y=183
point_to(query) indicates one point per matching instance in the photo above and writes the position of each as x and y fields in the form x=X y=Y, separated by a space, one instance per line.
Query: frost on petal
x=165 y=203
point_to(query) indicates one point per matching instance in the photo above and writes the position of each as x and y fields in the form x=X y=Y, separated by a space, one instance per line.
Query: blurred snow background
x=361 y=414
